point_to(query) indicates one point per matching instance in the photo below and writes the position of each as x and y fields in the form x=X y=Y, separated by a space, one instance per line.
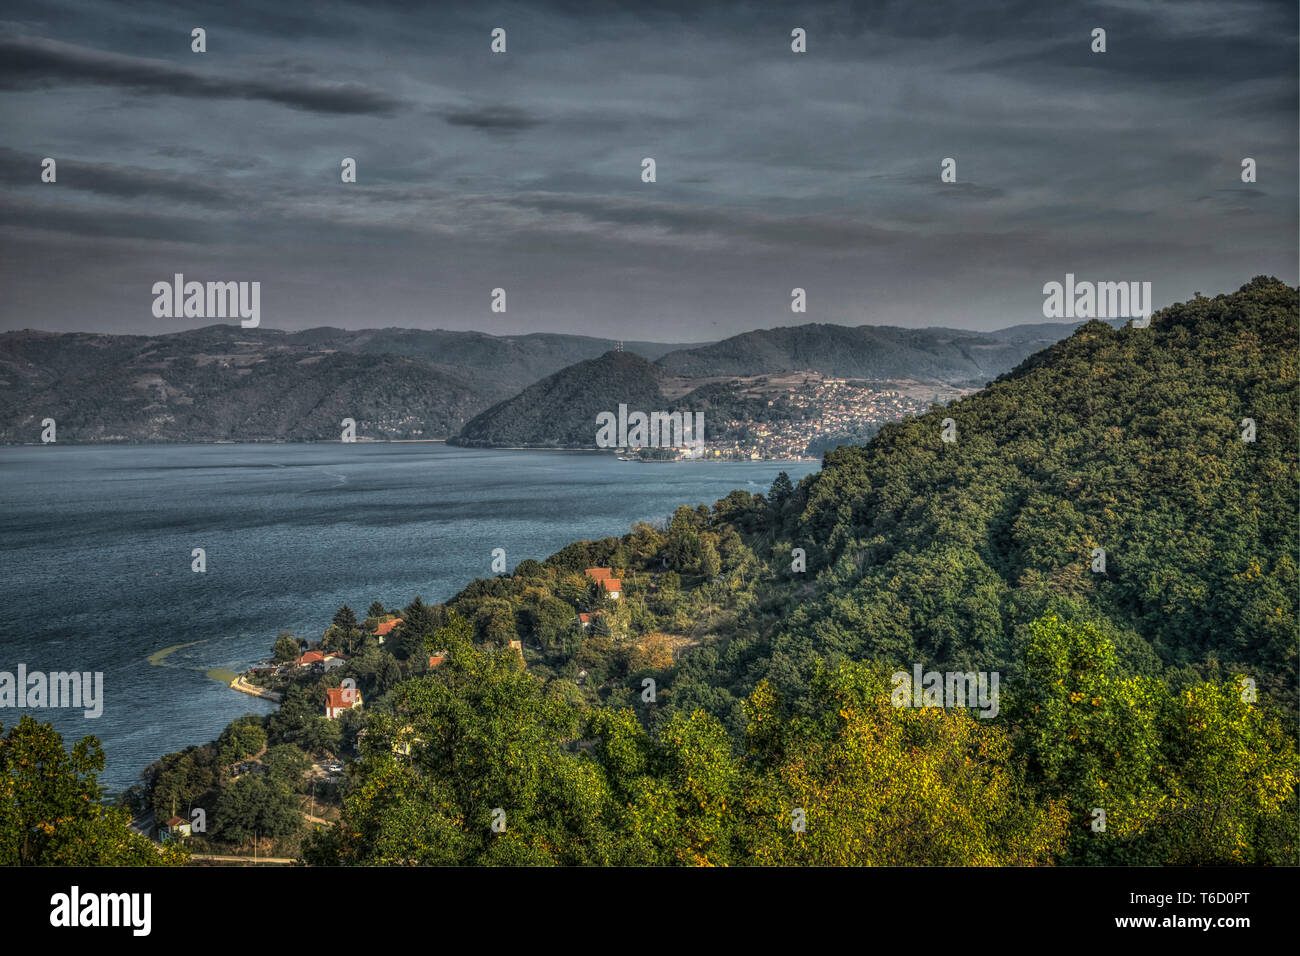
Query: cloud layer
x=523 y=170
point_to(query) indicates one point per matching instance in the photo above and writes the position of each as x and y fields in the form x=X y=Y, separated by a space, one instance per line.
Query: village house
x=605 y=577
x=437 y=658
x=386 y=628
x=177 y=828
x=586 y=620
x=311 y=657
x=339 y=699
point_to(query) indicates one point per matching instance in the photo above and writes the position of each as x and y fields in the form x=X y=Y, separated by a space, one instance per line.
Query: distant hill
x=223 y=382
x=951 y=356
x=226 y=382
x=561 y=410
x=720 y=380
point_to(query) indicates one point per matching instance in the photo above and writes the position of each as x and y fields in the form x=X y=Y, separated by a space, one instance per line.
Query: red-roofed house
x=339 y=699
x=605 y=576
x=586 y=619
x=385 y=628
x=437 y=659
x=311 y=657
x=177 y=828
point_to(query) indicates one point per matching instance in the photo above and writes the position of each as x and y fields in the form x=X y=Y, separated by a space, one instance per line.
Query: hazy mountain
x=722 y=379
x=226 y=382
x=870 y=352
x=561 y=409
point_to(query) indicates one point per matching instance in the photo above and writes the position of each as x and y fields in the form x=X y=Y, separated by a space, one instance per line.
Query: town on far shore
x=800 y=415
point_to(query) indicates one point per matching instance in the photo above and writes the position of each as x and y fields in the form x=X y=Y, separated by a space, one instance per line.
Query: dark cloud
x=33 y=62
x=95 y=223
x=493 y=119
x=124 y=182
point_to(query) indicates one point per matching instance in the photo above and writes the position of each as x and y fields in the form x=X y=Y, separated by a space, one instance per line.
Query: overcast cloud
x=522 y=170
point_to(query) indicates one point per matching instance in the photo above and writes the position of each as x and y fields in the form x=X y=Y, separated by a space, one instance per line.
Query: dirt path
x=269 y=860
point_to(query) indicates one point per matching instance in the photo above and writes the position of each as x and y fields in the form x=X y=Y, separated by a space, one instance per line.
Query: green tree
x=242 y=738
x=285 y=764
x=475 y=735
x=1193 y=776
x=50 y=811
x=882 y=785
x=552 y=622
x=710 y=563
x=345 y=618
x=529 y=569
x=253 y=806
x=286 y=648
x=782 y=489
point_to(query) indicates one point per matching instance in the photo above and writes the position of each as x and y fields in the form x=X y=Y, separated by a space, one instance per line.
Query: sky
x=523 y=170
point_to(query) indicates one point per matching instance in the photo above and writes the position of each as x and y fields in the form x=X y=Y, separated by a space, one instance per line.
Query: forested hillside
x=560 y=411
x=1129 y=441
x=736 y=705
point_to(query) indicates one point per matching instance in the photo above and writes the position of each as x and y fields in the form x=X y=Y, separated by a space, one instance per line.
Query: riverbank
x=244 y=687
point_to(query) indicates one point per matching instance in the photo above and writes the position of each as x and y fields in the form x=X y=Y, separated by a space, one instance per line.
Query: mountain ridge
x=226 y=383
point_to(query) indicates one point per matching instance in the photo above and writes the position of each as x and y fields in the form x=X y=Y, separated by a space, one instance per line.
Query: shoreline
x=403 y=441
x=244 y=687
x=225 y=441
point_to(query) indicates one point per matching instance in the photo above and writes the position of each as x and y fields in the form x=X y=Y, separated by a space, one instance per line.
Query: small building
x=311 y=657
x=518 y=648
x=605 y=578
x=339 y=699
x=177 y=828
x=586 y=620
x=404 y=740
x=385 y=628
x=437 y=658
